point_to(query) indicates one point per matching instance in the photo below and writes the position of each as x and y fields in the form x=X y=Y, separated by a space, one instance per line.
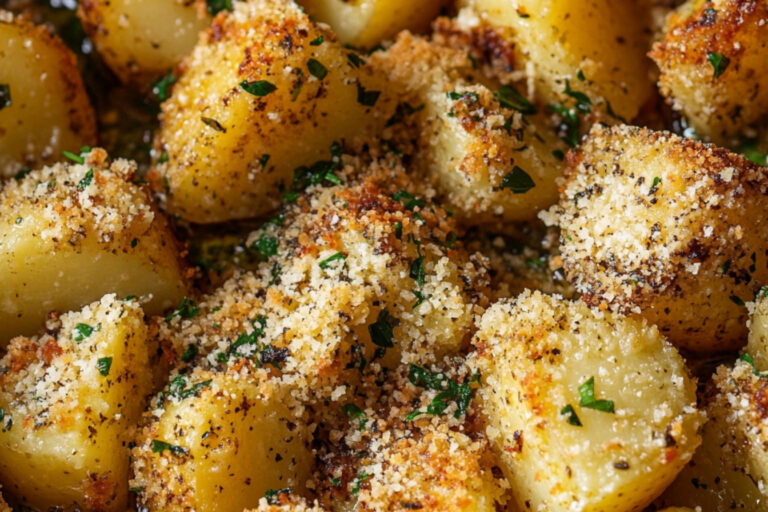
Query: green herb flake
x=382 y=330
x=258 y=87
x=87 y=180
x=161 y=446
x=467 y=96
x=161 y=85
x=763 y=292
x=654 y=185
x=266 y=245
x=353 y=411
x=359 y=481
x=366 y=97
x=749 y=360
x=409 y=201
x=72 y=156
x=571 y=416
x=587 y=398
x=82 y=331
x=580 y=76
x=209 y=121
x=187 y=309
x=336 y=257
x=508 y=97
x=273 y=495
x=22 y=173
x=736 y=300
x=399 y=230
x=317 y=41
x=104 y=364
x=134 y=243
x=355 y=60
x=719 y=64
x=449 y=391
x=216 y=6
x=5 y=96
x=189 y=353
x=335 y=481
x=518 y=181
x=317 y=69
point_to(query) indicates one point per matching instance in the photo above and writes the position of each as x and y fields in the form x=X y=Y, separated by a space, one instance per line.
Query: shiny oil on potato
x=668 y=228
x=67 y=400
x=265 y=92
x=70 y=233
x=142 y=40
x=44 y=108
x=586 y=411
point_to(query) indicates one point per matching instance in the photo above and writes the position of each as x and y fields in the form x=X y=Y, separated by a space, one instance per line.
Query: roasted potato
x=220 y=441
x=491 y=163
x=586 y=410
x=366 y=23
x=666 y=227
x=70 y=233
x=350 y=276
x=142 y=40
x=67 y=400
x=757 y=344
x=598 y=45
x=44 y=108
x=711 y=59
x=265 y=92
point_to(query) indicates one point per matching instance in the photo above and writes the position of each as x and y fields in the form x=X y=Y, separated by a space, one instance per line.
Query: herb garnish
x=353 y=411
x=518 y=181
x=508 y=97
x=587 y=398
x=160 y=446
x=571 y=415
x=258 y=87
x=316 y=69
x=5 y=96
x=366 y=97
x=161 y=85
x=187 y=309
x=104 y=364
x=327 y=261
x=719 y=64
x=449 y=391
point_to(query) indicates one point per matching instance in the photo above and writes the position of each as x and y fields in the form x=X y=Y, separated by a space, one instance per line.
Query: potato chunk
x=265 y=92
x=44 y=108
x=71 y=233
x=667 y=227
x=757 y=345
x=587 y=411
x=366 y=23
x=67 y=399
x=491 y=163
x=220 y=441
x=141 y=40
x=730 y=469
x=711 y=59
x=602 y=40
x=349 y=277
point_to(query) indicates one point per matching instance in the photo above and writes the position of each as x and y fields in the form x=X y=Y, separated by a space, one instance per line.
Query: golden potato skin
x=468 y=144
x=720 y=102
x=757 y=344
x=49 y=109
x=222 y=446
x=366 y=23
x=70 y=233
x=655 y=224
x=555 y=39
x=534 y=354
x=230 y=153
x=141 y=40
x=69 y=397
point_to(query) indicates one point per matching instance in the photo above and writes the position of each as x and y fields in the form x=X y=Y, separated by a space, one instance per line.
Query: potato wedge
x=655 y=224
x=602 y=41
x=349 y=277
x=265 y=92
x=44 y=108
x=73 y=232
x=221 y=441
x=68 y=398
x=492 y=164
x=141 y=40
x=711 y=58
x=365 y=23
x=585 y=410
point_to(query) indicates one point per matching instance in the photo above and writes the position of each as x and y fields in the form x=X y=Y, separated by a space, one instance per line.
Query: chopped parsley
x=336 y=257
x=216 y=6
x=322 y=171
x=104 y=364
x=189 y=353
x=449 y=391
x=82 y=331
x=355 y=60
x=751 y=153
x=22 y=173
x=134 y=243
x=582 y=100
x=209 y=121
x=468 y=96
x=402 y=111
x=654 y=185
x=5 y=96
x=178 y=389
x=353 y=411
x=317 y=41
x=316 y=69
x=161 y=85
x=366 y=97
x=399 y=230
x=719 y=64
x=187 y=309
x=264 y=160
x=518 y=181
x=417 y=272
x=571 y=416
x=273 y=495
x=382 y=330
x=570 y=122
x=763 y=292
x=748 y=359
x=409 y=201
x=258 y=87
x=87 y=179
x=587 y=398
x=161 y=446
x=736 y=300
x=8 y=422
x=508 y=97
x=78 y=159
x=358 y=481
x=266 y=246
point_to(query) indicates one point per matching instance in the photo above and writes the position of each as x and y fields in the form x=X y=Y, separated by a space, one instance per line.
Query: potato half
x=44 y=108
x=667 y=227
x=365 y=23
x=265 y=92
x=586 y=411
x=712 y=58
x=220 y=442
x=67 y=400
x=142 y=40
x=71 y=233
